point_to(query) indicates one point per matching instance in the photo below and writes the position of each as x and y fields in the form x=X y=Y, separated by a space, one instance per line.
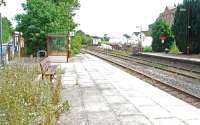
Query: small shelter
x=57 y=46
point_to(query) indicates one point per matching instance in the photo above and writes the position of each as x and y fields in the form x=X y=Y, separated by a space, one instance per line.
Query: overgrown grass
x=26 y=101
x=148 y=49
x=174 y=49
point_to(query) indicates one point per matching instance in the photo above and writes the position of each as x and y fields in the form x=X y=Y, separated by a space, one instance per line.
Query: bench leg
x=42 y=76
x=51 y=78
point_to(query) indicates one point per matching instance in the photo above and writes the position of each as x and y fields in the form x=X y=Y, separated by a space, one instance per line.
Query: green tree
x=161 y=28
x=79 y=39
x=180 y=28
x=85 y=38
x=127 y=36
x=7 y=29
x=41 y=17
x=105 y=37
x=76 y=42
x=88 y=39
x=2 y=2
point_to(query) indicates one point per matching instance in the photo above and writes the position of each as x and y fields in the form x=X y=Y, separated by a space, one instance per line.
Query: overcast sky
x=113 y=17
x=12 y=8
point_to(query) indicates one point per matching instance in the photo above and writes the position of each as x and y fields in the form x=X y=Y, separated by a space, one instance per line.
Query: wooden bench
x=47 y=69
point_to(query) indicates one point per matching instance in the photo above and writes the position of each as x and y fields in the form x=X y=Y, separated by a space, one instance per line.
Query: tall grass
x=174 y=49
x=26 y=101
x=147 y=49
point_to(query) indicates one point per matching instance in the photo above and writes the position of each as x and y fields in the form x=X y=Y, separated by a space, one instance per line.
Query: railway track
x=184 y=71
x=186 y=94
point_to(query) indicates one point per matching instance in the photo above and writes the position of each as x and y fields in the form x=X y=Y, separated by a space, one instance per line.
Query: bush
x=75 y=45
x=148 y=49
x=105 y=42
x=161 y=28
x=180 y=26
x=76 y=42
x=27 y=101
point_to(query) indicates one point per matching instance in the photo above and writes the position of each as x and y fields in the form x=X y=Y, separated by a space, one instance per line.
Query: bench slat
x=47 y=69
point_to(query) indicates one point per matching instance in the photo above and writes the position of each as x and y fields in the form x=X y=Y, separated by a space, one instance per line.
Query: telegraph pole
x=68 y=42
x=68 y=36
x=188 y=9
x=189 y=29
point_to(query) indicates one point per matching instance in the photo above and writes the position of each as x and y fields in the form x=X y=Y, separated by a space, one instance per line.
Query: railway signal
x=163 y=38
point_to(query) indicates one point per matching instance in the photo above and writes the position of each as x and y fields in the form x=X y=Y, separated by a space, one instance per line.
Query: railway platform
x=102 y=94
x=185 y=58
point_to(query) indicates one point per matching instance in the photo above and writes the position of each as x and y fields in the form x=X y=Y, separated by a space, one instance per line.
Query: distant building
x=143 y=37
x=96 y=40
x=117 y=40
x=168 y=15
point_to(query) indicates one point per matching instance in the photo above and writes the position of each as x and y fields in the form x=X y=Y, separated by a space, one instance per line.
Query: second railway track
x=181 y=70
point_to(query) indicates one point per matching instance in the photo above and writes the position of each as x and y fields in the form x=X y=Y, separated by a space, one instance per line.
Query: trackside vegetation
x=161 y=28
x=190 y=16
x=25 y=100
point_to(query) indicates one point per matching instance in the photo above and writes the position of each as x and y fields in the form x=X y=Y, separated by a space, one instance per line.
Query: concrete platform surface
x=192 y=58
x=101 y=94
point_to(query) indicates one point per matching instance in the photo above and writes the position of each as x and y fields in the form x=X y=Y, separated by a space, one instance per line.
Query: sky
x=112 y=17
x=12 y=8
x=117 y=17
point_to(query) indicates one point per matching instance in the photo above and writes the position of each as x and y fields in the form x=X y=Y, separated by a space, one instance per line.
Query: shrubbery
x=161 y=28
x=148 y=49
x=27 y=101
x=174 y=49
x=78 y=40
x=181 y=23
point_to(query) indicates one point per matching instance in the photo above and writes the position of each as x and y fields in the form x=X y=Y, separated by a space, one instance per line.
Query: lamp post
x=68 y=42
x=189 y=27
x=68 y=33
x=69 y=28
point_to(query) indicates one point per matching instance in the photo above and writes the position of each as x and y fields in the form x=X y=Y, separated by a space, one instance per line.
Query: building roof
x=96 y=37
x=56 y=35
x=136 y=33
x=146 y=33
x=170 y=7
